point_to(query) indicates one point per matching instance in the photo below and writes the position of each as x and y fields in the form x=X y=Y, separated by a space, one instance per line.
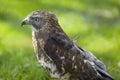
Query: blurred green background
x=97 y=22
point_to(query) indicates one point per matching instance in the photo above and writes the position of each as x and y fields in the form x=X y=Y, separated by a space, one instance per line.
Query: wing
x=70 y=58
x=99 y=66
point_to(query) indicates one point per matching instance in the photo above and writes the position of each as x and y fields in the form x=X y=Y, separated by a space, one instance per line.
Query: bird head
x=39 y=19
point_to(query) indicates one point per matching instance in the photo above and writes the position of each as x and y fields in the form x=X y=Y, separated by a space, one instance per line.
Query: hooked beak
x=25 y=22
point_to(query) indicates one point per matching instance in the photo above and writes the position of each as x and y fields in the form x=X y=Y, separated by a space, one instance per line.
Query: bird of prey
x=59 y=55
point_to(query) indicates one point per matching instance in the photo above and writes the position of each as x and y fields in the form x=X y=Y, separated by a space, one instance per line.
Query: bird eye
x=36 y=19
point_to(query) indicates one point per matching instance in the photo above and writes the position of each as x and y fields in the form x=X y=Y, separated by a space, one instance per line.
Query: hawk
x=59 y=55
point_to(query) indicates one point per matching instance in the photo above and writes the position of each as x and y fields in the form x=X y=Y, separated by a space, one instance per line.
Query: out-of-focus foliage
x=96 y=22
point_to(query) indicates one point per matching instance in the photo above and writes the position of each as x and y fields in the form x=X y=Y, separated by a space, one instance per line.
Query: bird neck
x=41 y=34
x=45 y=32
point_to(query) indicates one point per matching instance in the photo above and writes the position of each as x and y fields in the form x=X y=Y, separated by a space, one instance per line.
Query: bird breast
x=44 y=60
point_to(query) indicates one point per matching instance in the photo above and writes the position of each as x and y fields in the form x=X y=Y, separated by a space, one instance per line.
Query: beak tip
x=23 y=23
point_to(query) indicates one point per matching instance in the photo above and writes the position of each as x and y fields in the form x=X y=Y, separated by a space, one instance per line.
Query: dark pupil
x=37 y=19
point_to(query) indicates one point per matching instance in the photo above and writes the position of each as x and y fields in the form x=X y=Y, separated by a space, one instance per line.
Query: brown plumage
x=59 y=55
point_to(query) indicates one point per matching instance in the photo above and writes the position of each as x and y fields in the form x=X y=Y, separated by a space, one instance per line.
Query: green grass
x=97 y=24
